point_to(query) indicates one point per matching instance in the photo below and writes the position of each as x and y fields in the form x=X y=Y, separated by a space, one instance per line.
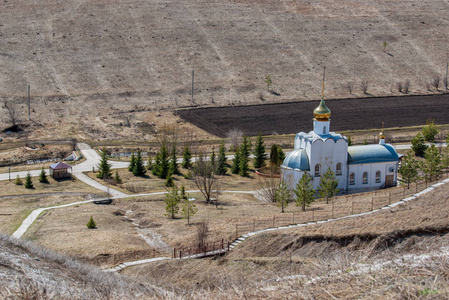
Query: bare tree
x=406 y=87
x=267 y=188
x=203 y=174
x=168 y=135
x=399 y=86
x=435 y=82
x=350 y=87
x=235 y=137
x=364 y=86
x=12 y=114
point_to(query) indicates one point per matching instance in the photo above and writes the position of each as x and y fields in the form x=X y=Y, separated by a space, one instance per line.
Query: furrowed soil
x=115 y=69
x=347 y=114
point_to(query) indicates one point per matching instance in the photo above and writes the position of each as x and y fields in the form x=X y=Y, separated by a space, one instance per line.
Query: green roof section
x=371 y=154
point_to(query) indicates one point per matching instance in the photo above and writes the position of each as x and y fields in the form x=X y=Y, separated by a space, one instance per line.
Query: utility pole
x=445 y=81
x=29 y=103
x=193 y=77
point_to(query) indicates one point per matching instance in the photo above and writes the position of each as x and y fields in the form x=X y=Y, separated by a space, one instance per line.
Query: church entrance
x=389 y=181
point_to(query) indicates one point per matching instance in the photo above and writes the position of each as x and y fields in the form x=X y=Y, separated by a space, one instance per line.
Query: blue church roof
x=371 y=154
x=297 y=159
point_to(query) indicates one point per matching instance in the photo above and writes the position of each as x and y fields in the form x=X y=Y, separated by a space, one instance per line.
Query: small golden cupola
x=382 y=135
x=322 y=112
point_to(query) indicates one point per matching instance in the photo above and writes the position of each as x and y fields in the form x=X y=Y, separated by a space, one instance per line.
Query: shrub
x=91 y=224
x=18 y=181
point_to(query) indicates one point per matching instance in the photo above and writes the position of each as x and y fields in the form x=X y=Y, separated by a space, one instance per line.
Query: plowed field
x=347 y=114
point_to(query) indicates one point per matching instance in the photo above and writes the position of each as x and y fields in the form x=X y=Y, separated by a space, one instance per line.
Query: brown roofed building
x=60 y=170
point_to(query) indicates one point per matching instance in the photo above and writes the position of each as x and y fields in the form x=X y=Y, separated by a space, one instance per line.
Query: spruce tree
x=91 y=224
x=213 y=158
x=183 y=193
x=221 y=163
x=186 y=158
x=418 y=145
x=245 y=150
x=431 y=165
x=188 y=209
x=104 y=168
x=162 y=166
x=172 y=202
x=304 y=191
x=282 y=195
x=409 y=169
x=139 y=168
x=149 y=163
x=117 y=178
x=173 y=161
x=235 y=168
x=43 y=177
x=328 y=185
x=169 y=180
x=28 y=182
x=132 y=163
x=281 y=155
x=259 y=153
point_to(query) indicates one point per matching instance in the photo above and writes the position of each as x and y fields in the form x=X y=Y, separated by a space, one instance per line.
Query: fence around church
x=338 y=207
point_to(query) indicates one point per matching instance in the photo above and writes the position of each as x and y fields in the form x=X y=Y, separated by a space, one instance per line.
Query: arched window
x=352 y=179
x=365 y=178
x=378 y=177
x=324 y=130
x=317 y=170
x=338 y=171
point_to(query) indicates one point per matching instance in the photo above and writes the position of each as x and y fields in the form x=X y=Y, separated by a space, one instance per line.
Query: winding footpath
x=92 y=160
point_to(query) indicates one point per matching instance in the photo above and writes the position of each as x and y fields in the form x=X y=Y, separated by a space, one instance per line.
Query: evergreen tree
x=418 y=145
x=430 y=131
x=349 y=140
x=213 y=158
x=28 y=182
x=274 y=156
x=174 y=162
x=186 y=158
x=18 y=181
x=162 y=165
x=409 y=169
x=172 y=202
x=282 y=195
x=188 y=209
x=43 y=177
x=169 y=180
x=431 y=165
x=104 y=168
x=139 y=168
x=149 y=162
x=117 y=178
x=183 y=193
x=328 y=185
x=281 y=155
x=235 y=168
x=259 y=153
x=445 y=158
x=305 y=194
x=245 y=151
x=91 y=224
x=132 y=163
x=221 y=163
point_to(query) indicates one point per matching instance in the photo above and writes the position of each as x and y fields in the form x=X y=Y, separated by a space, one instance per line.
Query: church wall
x=359 y=169
x=291 y=177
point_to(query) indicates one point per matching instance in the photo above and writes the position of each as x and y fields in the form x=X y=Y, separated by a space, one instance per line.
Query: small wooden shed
x=60 y=170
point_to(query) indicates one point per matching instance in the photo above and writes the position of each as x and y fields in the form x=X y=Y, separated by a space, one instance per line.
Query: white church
x=357 y=168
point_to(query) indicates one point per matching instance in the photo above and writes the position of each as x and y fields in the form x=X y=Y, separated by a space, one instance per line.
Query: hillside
x=28 y=271
x=94 y=64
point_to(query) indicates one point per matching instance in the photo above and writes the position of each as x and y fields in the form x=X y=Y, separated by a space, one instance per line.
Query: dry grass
x=16 y=156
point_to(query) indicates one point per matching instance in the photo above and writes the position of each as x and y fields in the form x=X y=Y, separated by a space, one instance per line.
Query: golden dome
x=322 y=113
x=382 y=133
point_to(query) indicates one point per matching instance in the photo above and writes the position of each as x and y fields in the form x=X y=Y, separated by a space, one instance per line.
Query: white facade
x=357 y=168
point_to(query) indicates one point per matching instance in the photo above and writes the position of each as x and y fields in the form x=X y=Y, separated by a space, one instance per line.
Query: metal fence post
x=274 y=220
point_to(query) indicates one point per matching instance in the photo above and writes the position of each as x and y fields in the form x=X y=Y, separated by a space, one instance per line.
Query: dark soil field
x=347 y=114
